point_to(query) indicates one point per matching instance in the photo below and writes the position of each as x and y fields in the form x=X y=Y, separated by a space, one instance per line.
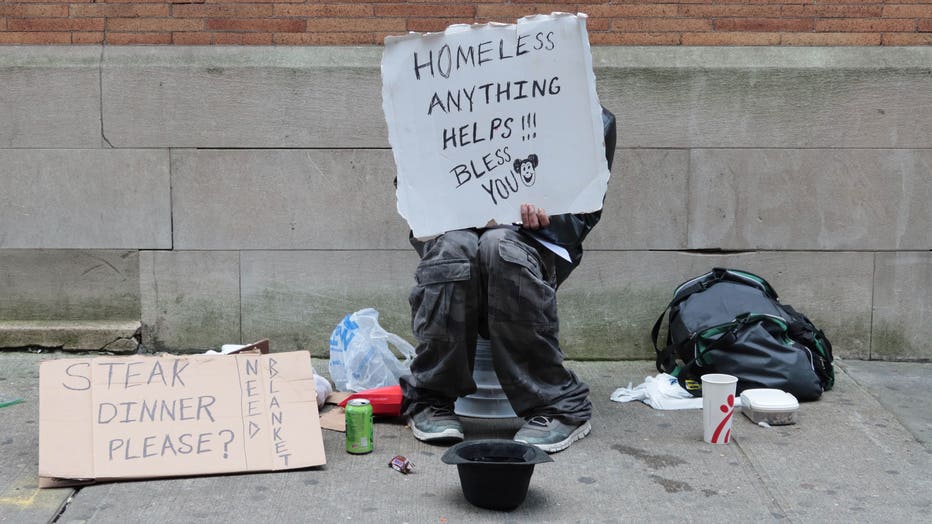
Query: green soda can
x=359 y=426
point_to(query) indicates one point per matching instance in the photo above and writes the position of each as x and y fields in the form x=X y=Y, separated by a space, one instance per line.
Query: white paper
x=484 y=118
x=557 y=250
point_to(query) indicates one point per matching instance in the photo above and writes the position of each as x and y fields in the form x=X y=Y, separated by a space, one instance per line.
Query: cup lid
x=767 y=399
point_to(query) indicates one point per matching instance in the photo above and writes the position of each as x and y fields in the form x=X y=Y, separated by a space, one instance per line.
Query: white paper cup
x=718 y=406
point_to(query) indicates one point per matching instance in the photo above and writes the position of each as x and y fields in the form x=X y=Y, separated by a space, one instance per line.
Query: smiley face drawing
x=527 y=169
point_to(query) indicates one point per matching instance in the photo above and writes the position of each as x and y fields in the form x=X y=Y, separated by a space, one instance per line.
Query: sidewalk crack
x=64 y=506
x=776 y=509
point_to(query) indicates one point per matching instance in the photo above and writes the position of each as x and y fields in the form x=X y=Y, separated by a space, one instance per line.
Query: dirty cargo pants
x=497 y=284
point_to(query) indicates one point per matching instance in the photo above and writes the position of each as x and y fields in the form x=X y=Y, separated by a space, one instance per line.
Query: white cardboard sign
x=483 y=118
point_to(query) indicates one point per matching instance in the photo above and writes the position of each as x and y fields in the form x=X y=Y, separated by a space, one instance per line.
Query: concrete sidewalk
x=862 y=454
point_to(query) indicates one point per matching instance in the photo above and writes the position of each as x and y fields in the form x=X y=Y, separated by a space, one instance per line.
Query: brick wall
x=350 y=22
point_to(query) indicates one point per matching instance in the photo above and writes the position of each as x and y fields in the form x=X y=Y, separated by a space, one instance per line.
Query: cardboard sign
x=142 y=416
x=483 y=118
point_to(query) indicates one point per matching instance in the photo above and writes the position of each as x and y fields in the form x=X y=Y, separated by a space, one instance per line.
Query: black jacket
x=569 y=230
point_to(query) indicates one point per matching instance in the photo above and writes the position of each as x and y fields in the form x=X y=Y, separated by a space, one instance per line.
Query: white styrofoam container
x=772 y=406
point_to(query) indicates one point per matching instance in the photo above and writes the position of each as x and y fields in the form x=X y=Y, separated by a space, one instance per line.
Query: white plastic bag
x=323 y=388
x=360 y=358
x=660 y=392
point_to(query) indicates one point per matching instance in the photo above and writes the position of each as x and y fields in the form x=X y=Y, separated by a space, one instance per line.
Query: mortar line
x=870 y=328
x=689 y=174
x=239 y=271
x=171 y=202
x=100 y=89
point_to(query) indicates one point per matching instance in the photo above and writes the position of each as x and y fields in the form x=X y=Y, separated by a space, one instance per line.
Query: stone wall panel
x=646 y=202
x=901 y=327
x=190 y=300
x=240 y=96
x=297 y=298
x=50 y=97
x=818 y=199
x=285 y=199
x=84 y=199
x=69 y=285
x=694 y=97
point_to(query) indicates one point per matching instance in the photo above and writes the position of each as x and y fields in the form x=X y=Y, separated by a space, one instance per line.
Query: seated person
x=498 y=283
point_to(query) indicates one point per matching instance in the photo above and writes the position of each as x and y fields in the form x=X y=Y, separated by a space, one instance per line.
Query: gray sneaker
x=549 y=434
x=433 y=424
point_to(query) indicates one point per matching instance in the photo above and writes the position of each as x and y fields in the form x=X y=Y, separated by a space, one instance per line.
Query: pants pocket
x=522 y=255
x=438 y=299
x=524 y=291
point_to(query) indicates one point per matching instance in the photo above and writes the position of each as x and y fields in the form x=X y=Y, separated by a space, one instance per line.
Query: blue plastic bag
x=360 y=357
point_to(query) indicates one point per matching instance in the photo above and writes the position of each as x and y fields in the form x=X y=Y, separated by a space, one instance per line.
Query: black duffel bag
x=731 y=321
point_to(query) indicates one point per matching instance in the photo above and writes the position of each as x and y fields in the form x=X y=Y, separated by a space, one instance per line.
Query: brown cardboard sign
x=143 y=416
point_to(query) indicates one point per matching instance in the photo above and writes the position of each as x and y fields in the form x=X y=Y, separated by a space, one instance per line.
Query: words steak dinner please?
x=132 y=374
x=141 y=373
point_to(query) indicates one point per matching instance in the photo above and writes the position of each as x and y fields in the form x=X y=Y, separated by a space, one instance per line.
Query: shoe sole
x=577 y=434
x=447 y=435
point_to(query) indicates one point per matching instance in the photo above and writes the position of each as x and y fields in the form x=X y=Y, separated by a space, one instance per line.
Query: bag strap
x=747 y=278
x=720 y=274
x=728 y=335
x=728 y=338
x=661 y=356
x=666 y=358
x=803 y=331
x=694 y=285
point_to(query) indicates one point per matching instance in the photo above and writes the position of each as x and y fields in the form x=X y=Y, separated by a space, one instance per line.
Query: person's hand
x=533 y=217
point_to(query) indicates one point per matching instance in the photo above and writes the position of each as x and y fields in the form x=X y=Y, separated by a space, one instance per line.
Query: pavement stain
x=652 y=461
x=670 y=485
x=17 y=497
